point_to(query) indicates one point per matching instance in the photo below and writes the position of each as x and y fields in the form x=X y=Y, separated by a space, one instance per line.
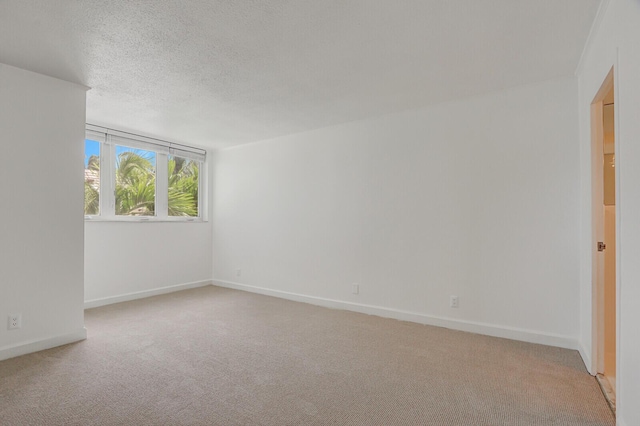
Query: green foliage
x=183 y=187
x=94 y=163
x=91 y=199
x=91 y=187
x=135 y=185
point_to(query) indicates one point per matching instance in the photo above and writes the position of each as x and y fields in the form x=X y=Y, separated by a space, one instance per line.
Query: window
x=183 y=186
x=91 y=177
x=130 y=177
x=135 y=182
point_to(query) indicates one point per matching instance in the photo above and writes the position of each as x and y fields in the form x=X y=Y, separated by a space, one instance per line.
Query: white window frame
x=109 y=139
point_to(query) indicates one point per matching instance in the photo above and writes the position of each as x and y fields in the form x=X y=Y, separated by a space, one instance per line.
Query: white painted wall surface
x=616 y=41
x=41 y=222
x=125 y=260
x=477 y=198
x=128 y=260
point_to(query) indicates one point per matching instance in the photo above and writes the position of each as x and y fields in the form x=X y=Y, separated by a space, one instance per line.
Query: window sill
x=145 y=219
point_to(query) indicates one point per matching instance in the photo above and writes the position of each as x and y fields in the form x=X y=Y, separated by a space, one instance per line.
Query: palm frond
x=91 y=199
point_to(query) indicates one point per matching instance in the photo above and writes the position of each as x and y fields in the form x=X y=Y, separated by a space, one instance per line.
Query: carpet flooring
x=214 y=356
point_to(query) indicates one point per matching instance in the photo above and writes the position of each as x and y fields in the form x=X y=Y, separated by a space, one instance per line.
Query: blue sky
x=90 y=148
x=93 y=148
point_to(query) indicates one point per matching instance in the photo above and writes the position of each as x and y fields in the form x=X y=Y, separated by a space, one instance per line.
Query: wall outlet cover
x=15 y=321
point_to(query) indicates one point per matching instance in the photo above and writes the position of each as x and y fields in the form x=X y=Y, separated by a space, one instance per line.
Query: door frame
x=597 y=223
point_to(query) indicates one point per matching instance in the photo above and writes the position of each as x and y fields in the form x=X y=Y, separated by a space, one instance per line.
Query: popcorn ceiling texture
x=220 y=73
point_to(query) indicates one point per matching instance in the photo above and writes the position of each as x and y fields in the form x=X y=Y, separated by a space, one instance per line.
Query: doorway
x=604 y=236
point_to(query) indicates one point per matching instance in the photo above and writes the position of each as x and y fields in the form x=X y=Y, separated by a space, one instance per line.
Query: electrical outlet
x=238 y=272
x=15 y=321
x=454 y=302
x=355 y=288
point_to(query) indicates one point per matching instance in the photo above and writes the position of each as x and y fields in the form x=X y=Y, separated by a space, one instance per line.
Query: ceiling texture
x=218 y=73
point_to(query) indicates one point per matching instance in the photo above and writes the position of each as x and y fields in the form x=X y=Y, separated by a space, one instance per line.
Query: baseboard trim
x=42 y=344
x=455 y=324
x=94 y=303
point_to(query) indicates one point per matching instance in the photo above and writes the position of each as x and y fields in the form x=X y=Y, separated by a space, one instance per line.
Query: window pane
x=183 y=186
x=91 y=177
x=135 y=182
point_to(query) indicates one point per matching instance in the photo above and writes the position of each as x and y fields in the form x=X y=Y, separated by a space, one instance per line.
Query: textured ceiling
x=219 y=73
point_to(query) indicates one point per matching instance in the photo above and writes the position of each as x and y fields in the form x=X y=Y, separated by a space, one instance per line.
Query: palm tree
x=92 y=186
x=91 y=200
x=135 y=184
x=183 y=187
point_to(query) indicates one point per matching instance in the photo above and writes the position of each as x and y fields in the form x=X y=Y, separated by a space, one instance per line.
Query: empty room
x=357 y=212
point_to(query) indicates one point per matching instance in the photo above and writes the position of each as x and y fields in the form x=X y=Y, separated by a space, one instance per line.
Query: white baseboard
x=40 y=345
x=94 y=303
x=455 y=324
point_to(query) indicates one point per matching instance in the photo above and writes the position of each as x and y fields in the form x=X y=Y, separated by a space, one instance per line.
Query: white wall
x=616 y=43
x=126 y=260
x=41 y=223
x=477 y=198
x=129 y=260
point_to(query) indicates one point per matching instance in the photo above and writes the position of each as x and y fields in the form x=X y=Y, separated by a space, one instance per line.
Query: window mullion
x=162 y=186
x=110 y=181
x=202 y=197
x=106 y=191
x=135 y=197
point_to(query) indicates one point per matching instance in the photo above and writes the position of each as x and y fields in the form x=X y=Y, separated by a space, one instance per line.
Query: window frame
x=100 y=155
x=109 y=139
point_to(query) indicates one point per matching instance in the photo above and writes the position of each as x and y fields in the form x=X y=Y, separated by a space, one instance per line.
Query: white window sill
x=144 y=219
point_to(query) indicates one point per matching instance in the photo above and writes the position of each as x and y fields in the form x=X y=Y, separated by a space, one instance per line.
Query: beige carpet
x=213 y=356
